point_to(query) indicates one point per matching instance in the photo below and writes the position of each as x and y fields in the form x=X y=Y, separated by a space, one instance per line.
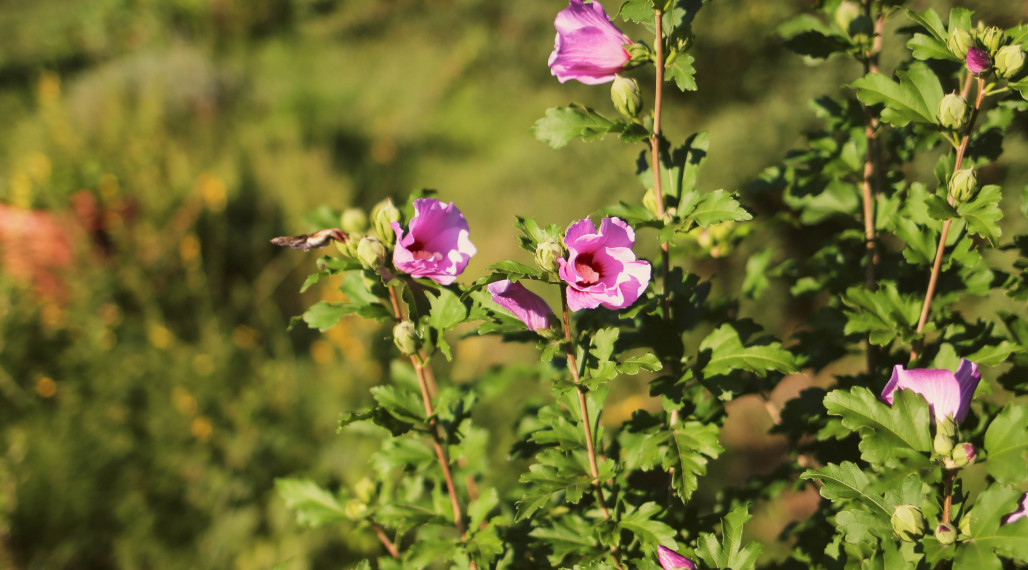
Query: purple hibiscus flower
x=526 y=305
x=601 y=268
x=948 y=393
x=436 y=245
x=1020 y=513
x=670 y=559
x=977 y=60
x=588 y=47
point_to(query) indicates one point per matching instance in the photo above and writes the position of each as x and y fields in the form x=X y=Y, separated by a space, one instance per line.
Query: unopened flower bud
x=992 y=38
x=355 y=509
x=945 y=534
x=953 y=112
x=353 y=221
x=625 y=95
x=638 y=54
x=371 y=252
x=977 y=60
x=405 y=337
x=846 y=13
x=959 y=41
x=1009 y=60
x=547 y=253
x=908 y=522
x=942 y=444
x=364 y=490
x=349 y=247
x=963 y=185
x=383 y=214
x=963 y=455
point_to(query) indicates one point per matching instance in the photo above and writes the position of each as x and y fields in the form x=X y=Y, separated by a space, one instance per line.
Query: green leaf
x=887 y=433
x=447 y=310
x=983 y=213
x=324 y=315
x=847 y=482
x=1006 y=444
x=927 y=47
x=988 y=535
x=562 y=124
x=692 y=444
x=821 y=45
x=714 y=208
x=939 y=208
x=883 y=314
x=314 y=506
x=729 y=552
x=863 y=526
x=682 y=72
x=479 y=509
x=634 y=364
x=756 y=281
x=637 y=11
x=931 y=22
x=915 y=98
x=642 y=523
x=404 y=405
x=727 y=354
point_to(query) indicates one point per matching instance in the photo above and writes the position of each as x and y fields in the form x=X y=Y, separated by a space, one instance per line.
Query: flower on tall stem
x=669 y=559
x=530 y=308
x=601 y=268
x=588 y=48
x=948 y=393
x=436 y=244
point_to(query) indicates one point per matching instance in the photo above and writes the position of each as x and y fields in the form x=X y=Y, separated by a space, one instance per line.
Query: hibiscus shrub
x=913 y=469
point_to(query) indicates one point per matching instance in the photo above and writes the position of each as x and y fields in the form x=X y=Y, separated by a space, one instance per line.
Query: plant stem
x=872 y=172
x=658 y=191
x=948 y=476
x=384 y=539
x=940 y=251
x=423 y=372
x=569 y=347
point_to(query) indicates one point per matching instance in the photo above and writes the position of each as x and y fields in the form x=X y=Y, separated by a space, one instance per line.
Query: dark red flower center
x=419 y=252
x=589 y=271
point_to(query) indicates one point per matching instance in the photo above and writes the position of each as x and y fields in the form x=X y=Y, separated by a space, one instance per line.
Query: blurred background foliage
x=149 y=390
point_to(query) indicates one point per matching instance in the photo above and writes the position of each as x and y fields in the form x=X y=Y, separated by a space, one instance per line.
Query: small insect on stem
x=307 y=242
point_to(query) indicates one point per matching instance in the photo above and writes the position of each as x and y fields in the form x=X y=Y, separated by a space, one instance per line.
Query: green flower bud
x=624 y=93
x=355 y=509
x=1009 y=60
x=945 y=534
x=405 y=337
x=547 y=253
x=953 y=112
x=364 y=490
x=963 y=185
x=845 y=14
x=992 y=38
x=383 y=214
x=349 y=247
x=353 y=221
x=371 y=252
x=908 y=522
x=638 y=54
x=963 y=455
x=942 y=444
x=958 y=41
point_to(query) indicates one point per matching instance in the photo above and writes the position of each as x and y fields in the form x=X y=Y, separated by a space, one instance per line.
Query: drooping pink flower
x=1020 y=513
x=948 y=393
x=977 y=60
x=588 y=47
x=601 y=268
x=436 y=245
x=526 y=305
x=670 y=559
